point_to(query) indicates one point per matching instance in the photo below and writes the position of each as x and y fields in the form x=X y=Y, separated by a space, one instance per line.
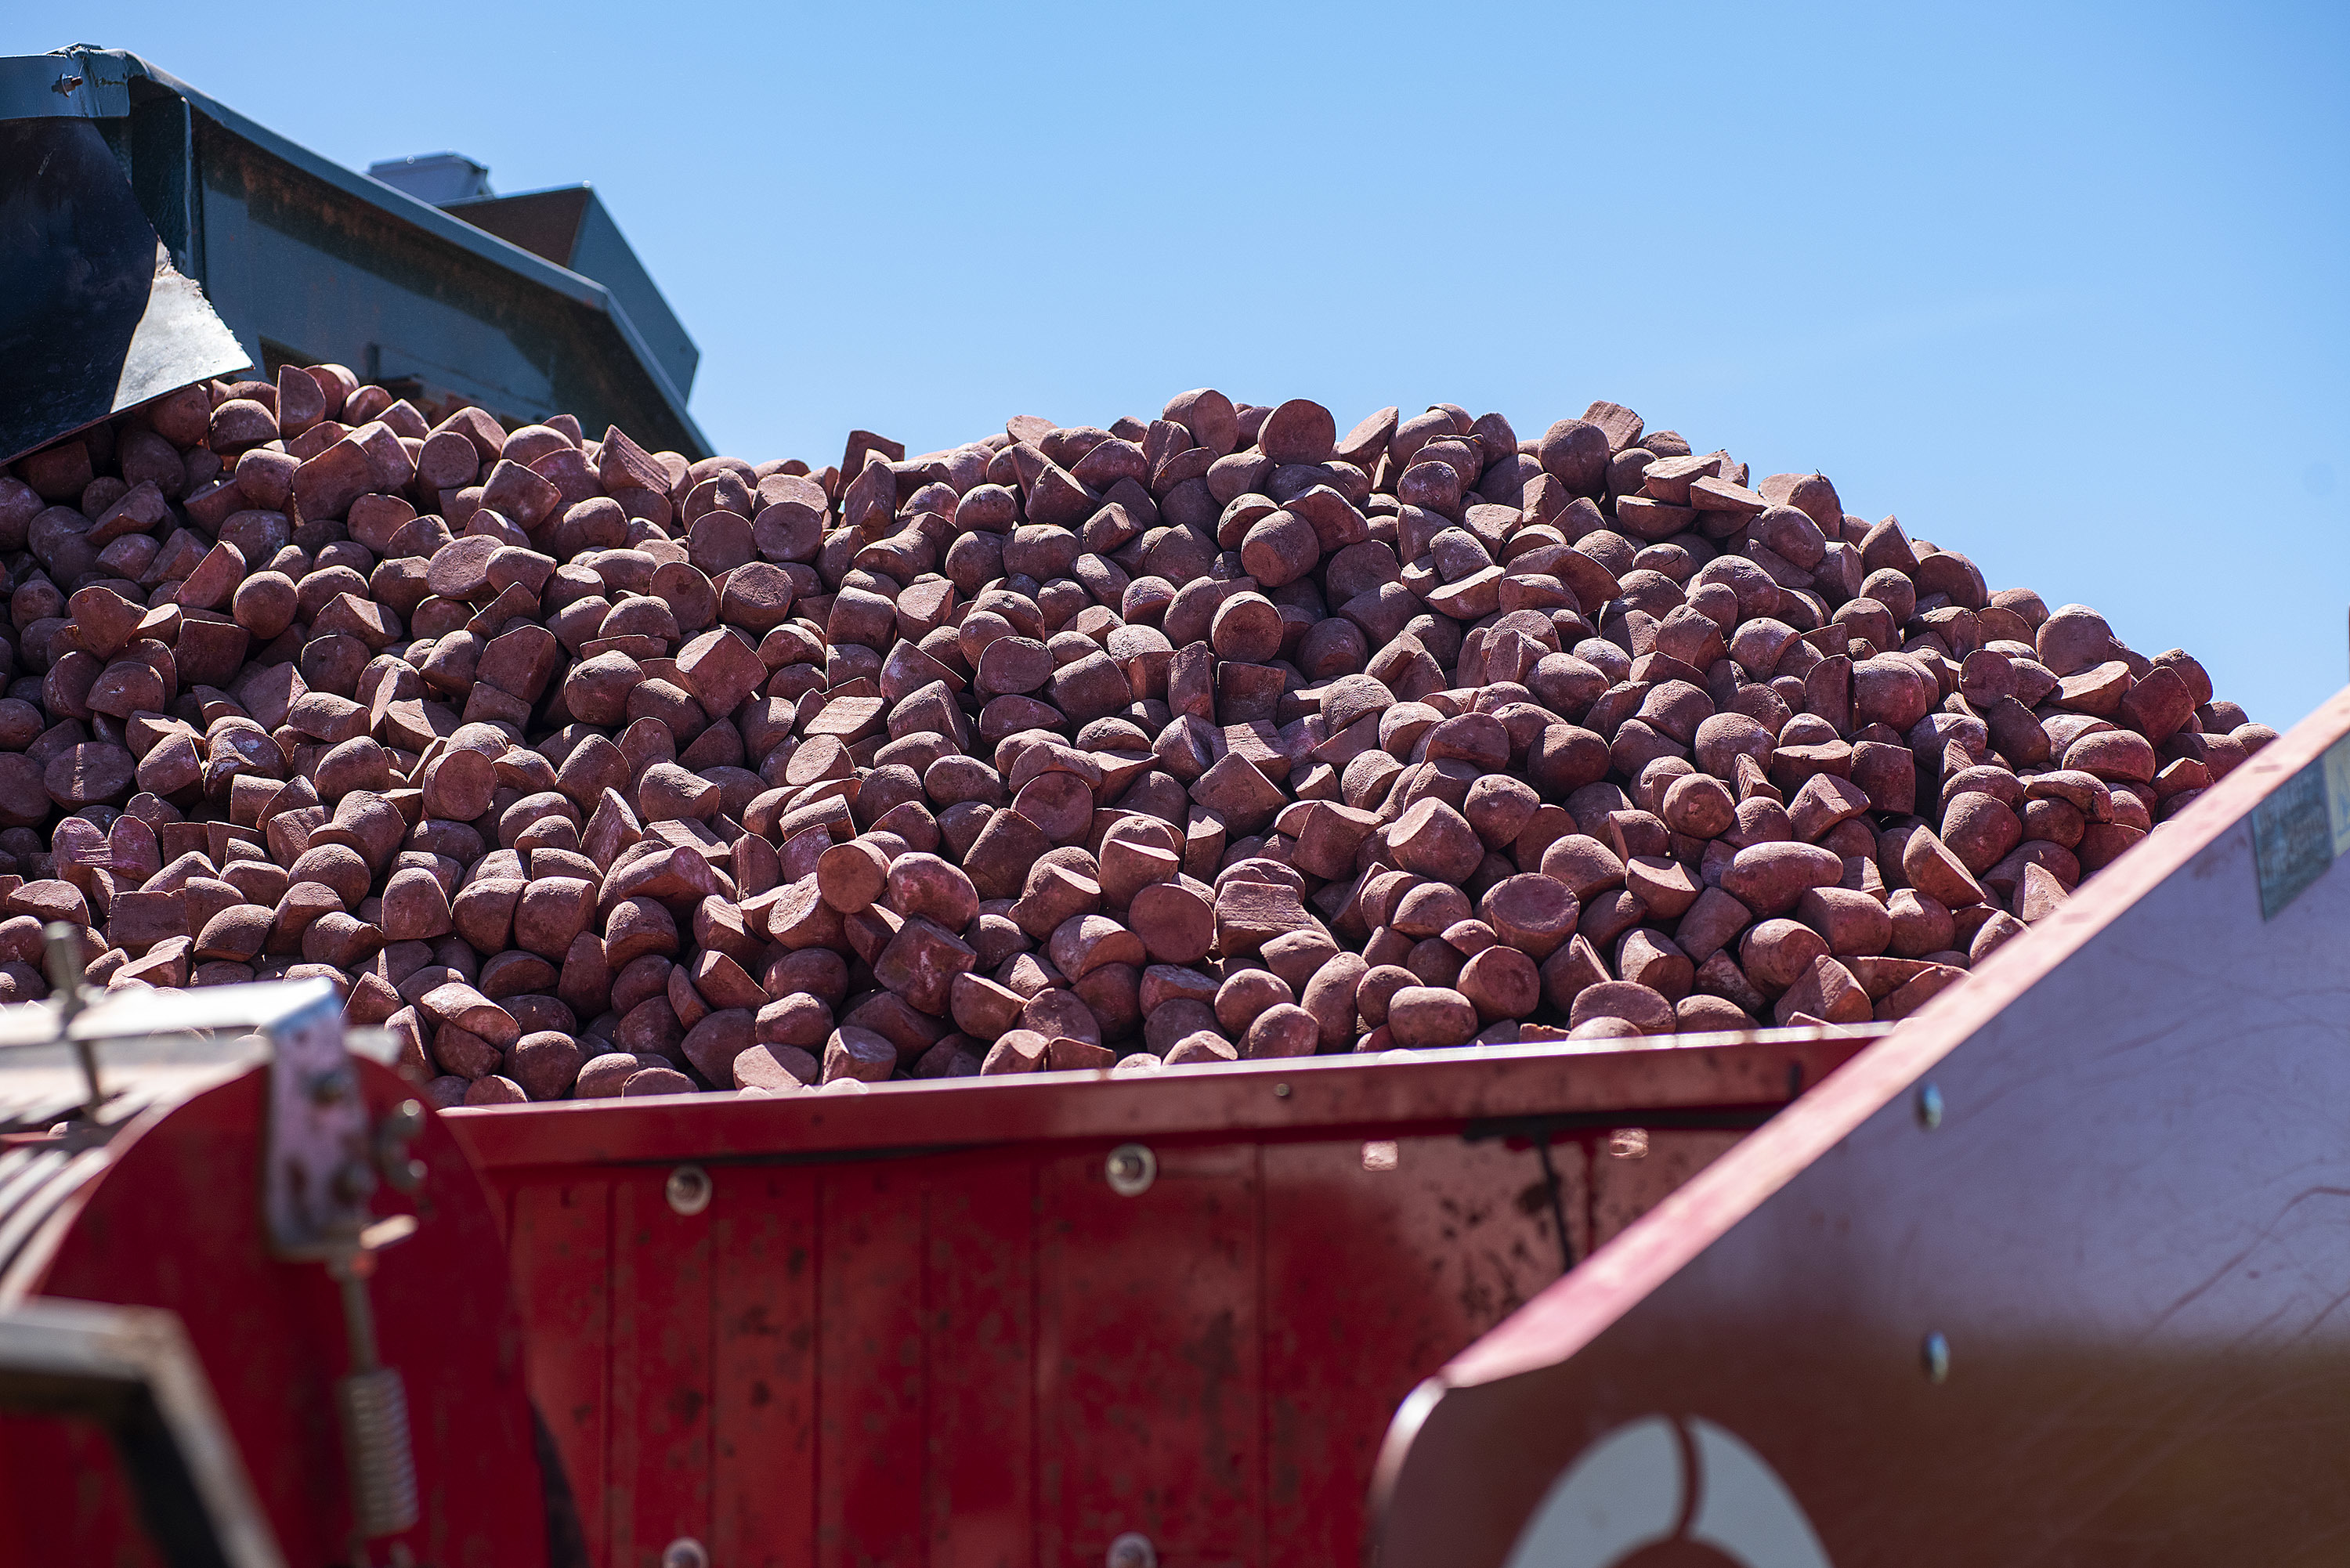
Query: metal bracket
x=318 y=1161
x=80 y=82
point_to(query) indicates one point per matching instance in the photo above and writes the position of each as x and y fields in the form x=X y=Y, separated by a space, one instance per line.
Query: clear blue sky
x=2061 y=287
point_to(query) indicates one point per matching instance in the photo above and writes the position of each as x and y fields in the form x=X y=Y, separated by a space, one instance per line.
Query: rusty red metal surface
x=916 y=1325
x=175 y=1222
x=2125 y=1234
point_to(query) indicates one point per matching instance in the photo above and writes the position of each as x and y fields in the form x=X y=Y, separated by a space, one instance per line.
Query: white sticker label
x=2300 y=828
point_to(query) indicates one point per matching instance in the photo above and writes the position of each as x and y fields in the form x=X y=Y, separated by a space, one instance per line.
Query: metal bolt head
x=1280 y=1091
x=1628 y=1143
x=1936 y=1355
x=1130 y=1170
x=1131 y=1550
x=688 y=1191
x=685 y=1551
x=400 y=1124
x=1930 y=1106
x=355 y=1182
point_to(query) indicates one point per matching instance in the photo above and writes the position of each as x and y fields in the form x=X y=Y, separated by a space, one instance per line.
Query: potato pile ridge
x=590 y=771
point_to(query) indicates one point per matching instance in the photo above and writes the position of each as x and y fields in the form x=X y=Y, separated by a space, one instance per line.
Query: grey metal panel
x=279 y=274
x=357 y=284
x=605 y=255
x=439 y=178
x=598 y=250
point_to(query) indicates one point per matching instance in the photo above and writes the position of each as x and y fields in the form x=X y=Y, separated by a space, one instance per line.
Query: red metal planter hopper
x=998 y=1322
x=2056 y=1272
x=2051 y=1272
x=920 y=1323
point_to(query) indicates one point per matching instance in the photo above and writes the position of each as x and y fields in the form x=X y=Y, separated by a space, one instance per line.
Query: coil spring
x=372 y=1407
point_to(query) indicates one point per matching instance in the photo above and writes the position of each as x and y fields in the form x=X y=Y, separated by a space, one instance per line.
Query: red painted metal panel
x=2126 y=1225
x=1622 y=1189
x=661 y=1468
x=870 y=1334
x=762 y=1410
x=973 y=1353
x=979 y=1296
x=562 y=1252
x=1378 y=1261
x=64 y=1497
x=1149 y=1369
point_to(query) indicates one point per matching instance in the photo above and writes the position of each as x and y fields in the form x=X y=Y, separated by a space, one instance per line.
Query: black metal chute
x=94 y=319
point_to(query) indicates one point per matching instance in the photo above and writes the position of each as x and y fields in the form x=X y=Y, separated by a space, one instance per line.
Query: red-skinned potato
x=1215 y=736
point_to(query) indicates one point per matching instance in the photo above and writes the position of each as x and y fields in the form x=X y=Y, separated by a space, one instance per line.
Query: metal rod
x=1732 y=1119
x=1558 y=1208
x=86 y=1052
x=64 y=944
x=358 y=1319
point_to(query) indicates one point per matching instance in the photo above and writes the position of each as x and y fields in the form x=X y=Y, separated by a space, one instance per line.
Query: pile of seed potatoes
x=589 y=770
